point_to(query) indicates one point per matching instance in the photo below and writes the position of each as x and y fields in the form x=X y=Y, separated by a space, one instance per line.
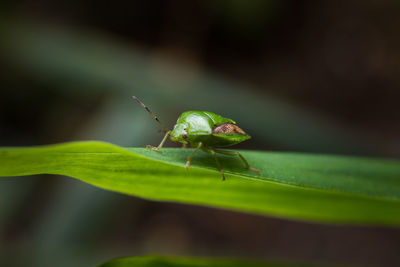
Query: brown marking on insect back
x=228 y=128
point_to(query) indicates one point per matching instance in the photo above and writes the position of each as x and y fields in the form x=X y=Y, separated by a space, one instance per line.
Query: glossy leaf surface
x=298 y=186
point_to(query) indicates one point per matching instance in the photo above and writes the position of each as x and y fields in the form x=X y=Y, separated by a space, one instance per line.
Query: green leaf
x=157 y=261
x=291 y=185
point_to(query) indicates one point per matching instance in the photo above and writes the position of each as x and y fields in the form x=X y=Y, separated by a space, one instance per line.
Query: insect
x=204 y=130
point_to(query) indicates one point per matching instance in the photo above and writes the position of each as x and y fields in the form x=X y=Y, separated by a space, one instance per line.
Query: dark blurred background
x=304 y=76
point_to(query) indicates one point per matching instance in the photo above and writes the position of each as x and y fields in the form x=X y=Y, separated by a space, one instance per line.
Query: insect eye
x=184 y=134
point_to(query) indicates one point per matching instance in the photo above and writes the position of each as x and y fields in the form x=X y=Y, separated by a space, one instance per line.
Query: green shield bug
x=204 y=130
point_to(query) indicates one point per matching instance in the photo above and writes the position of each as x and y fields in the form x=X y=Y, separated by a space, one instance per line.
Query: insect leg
x=191 y=155
x=162 y=142
x=218 y=164
x=237 y=154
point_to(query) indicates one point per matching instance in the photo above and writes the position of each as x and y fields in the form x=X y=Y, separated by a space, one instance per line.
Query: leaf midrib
x=269 y=179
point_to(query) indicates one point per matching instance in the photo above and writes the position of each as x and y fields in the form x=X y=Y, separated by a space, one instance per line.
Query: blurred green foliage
x=156 y=261
x=297 y=75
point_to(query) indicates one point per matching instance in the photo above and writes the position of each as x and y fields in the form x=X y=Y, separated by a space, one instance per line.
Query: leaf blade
x=160 y=176
x=157 y=261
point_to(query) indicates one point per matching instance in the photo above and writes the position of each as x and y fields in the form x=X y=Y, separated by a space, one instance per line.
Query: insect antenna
x=151 y=113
